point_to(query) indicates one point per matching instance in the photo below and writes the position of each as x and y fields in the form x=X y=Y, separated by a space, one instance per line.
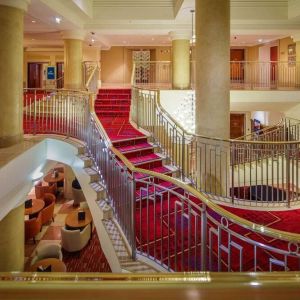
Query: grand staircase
x=112 y=107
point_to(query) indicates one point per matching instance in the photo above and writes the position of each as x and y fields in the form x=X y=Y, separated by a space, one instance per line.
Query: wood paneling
x=237 y=125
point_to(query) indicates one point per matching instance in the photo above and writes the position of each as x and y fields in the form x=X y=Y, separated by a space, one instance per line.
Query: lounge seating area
x=56 y=236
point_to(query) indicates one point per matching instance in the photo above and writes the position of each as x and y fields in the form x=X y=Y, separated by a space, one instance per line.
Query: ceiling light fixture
x=33 y=21
x=57 y=20
x=93 y=41
x=260 y=40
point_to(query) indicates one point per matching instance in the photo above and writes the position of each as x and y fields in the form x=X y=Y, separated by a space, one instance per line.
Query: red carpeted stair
x=112 y=107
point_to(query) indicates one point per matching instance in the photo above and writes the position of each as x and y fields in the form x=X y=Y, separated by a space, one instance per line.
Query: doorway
x=273 y=59
x=237 y=57
x=34 y=75
x=59 y=75
x=237 y=125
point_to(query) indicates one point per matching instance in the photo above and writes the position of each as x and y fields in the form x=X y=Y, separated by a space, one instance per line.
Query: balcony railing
x=173 y=224
x=246 y=75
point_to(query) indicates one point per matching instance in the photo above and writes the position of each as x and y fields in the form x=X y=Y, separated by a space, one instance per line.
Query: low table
x=37 y=206
x=72 y=221
x=50 y=179
x=56 y=265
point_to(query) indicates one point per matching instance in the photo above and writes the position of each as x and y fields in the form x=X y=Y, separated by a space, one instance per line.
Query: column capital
x=180 y=35
x=73 y=34
x=296 y=37
x=21 y=4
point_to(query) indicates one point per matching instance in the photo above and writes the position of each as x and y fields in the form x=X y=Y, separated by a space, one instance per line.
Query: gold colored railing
x=59 y=286
x=249 y=75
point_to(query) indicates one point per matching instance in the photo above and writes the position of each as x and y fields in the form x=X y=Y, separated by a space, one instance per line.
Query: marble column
x=180 y=60
x=12 y=241
x=11 y=79
x=213 y=93
x=73 y=78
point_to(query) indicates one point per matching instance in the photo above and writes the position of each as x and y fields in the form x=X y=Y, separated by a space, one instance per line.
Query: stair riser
x=138 y=153
x=150 y=165
x=130 y=142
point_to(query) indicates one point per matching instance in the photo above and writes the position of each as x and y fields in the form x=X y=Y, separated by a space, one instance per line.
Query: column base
x=7 y=141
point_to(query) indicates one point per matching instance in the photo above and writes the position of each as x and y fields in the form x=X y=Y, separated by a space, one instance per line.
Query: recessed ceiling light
x=33 y=21
x=153 y=39
x=260 y=40
x=58 y=20
x=93 y=40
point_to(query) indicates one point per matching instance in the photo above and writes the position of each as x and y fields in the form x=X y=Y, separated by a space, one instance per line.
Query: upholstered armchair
x=33 y=227
x=75 y=240
x=40 y=189
x=47 y=251
x=48 y=211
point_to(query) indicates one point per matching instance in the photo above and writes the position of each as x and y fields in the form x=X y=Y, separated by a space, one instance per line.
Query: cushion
x=48 y=250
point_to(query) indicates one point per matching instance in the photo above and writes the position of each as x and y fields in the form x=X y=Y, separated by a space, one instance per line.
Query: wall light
x=58 y=20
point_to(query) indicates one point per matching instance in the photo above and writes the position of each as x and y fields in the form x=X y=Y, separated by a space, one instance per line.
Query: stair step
x=166 y=169
x=146 y=159
x=92 y=172
x=99 y=189
x=81 y=150
x=135 y=148
x=87 y=161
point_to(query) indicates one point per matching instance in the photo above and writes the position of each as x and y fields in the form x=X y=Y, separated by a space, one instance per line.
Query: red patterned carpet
x=89 y=259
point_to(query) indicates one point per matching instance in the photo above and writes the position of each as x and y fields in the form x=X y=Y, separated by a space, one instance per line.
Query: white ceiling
x=148 y=22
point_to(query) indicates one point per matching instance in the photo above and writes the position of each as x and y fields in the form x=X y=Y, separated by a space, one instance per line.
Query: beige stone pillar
x=12 y=241
x=212 y=93
x=180 y=60
x=11 y=79
x=69 y=177
x=212 y=68
x=73 y=59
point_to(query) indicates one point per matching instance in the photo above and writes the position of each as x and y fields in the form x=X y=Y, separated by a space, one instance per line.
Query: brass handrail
x=187 y=133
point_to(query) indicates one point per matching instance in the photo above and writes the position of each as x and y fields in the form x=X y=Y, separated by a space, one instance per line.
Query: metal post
x=133 y=211
x=203 y=238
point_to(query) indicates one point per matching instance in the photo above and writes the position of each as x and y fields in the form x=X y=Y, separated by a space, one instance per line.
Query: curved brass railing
x=222 y=167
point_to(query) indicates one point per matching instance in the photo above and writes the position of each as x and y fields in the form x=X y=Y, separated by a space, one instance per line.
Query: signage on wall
x=50 y=73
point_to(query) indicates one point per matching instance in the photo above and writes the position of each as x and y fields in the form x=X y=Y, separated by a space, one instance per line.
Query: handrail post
x=182 y=157
x=204 y=238
x=133 y=217
x=34 y=114
x=287 y=162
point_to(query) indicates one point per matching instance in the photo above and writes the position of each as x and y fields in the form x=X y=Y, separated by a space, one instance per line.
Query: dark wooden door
x=237 y=57
x=237 y=125
x=273 y=59
x=59 y=75
x=34 y=77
